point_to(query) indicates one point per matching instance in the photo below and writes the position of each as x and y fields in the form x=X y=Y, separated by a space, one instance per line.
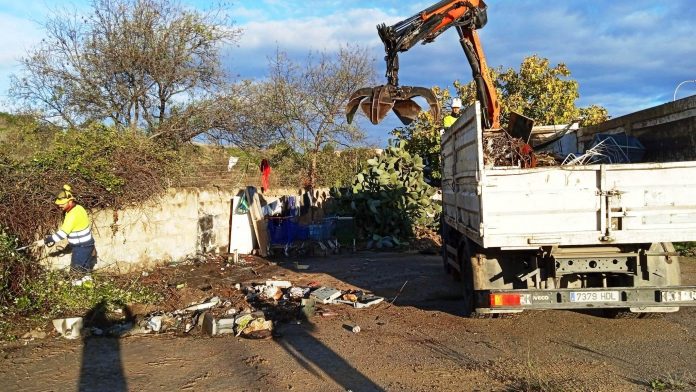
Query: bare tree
x=305 y=103
x=128 y=62
x=238 y=116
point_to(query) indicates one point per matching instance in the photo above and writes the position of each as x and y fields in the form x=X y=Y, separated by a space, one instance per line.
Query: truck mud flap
x=647 y=299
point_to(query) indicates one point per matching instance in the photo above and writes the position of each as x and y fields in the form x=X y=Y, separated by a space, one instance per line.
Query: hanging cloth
x=265 y=175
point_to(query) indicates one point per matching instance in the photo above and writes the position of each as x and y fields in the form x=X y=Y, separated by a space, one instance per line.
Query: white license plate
x=594 y=296
x=678 y=296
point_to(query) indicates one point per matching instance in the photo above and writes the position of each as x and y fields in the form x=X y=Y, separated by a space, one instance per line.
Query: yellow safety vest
x=76 y=227
x=449 y=120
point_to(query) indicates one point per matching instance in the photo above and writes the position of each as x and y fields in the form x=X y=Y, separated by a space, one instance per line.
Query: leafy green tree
x=423 y=135
x=546 y=94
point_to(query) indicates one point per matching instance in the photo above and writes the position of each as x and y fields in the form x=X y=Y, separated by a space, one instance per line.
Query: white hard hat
x=456 y=103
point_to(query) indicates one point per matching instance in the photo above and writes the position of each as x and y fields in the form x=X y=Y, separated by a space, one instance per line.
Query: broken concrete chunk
x=206 y=305
x=69 y=328
x=325 y=295
x=221 y=326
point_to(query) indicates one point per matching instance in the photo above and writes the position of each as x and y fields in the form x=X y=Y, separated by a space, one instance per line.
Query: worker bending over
x=77 y=228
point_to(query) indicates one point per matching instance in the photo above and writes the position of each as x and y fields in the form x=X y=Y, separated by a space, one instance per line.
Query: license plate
x=678 y=296
x=594 y=296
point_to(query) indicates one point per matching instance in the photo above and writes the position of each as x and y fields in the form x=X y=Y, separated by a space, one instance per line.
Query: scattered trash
x=350 y=297
x=145 y=274
x=283 y=284
x=69 y=328
x=34 y=334
x=298 y=292
x=327 y=313
x=272 y=292
x=155 y=323
x=301 y=266
x=363 y=301
x=259 y=328
x=325 y=295
x=221 y=326
x=308 y=307
x=206 y=305
x=85 y=281
x=352 y=327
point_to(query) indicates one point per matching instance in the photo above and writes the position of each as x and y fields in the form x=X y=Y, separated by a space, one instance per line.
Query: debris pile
x=250 y=311
x=426 y=240
x=502 y=149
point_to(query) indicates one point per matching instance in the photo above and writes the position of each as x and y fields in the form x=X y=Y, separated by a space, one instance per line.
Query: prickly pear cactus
x=389 y=196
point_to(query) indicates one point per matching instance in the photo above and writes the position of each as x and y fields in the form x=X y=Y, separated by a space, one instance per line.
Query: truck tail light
x=506 y=300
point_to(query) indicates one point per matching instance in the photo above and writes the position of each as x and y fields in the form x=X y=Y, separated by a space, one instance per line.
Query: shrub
x=389 y=197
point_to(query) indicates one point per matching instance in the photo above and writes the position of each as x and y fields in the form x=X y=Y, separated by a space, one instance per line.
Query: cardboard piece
x=260 y=225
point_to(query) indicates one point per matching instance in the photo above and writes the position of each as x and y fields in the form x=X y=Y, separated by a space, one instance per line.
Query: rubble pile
x=249 y=310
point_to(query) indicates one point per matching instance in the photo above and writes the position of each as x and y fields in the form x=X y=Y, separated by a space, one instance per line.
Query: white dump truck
x=573 y=236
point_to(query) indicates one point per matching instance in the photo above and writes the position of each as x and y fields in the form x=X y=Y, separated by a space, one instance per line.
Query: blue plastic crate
x=322 y=231
x=315 y=232
x=286 y=230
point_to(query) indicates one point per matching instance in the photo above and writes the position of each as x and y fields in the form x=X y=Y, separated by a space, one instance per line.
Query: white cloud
x=18 y=35
x=625 y=54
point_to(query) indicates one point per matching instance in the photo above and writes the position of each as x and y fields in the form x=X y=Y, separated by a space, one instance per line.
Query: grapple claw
x=378 y=101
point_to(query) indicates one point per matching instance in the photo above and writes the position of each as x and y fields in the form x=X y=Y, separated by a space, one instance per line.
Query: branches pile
x=501 y=149
x=105 y=169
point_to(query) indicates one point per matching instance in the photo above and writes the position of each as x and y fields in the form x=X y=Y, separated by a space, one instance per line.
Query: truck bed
x=515 y=208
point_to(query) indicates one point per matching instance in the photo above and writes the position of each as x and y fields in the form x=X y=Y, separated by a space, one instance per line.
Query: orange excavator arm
x=466 y=17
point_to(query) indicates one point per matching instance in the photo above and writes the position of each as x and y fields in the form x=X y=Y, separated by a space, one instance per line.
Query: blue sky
x=626 y=55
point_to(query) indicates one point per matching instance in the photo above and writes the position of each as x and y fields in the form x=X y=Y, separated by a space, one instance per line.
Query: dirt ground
x=420 y=343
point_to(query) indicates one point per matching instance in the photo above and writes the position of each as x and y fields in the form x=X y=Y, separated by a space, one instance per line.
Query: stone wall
x=182 y=223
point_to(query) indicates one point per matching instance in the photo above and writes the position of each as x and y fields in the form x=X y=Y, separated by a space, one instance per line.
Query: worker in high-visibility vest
x=452 y=117
x=77 y=229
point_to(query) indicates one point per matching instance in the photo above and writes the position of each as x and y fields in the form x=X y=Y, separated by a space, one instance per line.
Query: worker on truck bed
x=452 y=117
x=77 y=228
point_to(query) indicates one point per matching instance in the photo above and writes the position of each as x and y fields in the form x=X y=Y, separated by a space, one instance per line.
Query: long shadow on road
x=425 y=284
x=102 y=367
x=319 y=360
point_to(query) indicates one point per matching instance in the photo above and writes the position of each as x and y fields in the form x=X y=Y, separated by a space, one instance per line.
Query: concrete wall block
x=179 y=224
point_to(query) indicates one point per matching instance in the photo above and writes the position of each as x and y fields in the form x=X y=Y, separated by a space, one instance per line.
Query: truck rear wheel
x=466 y=276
